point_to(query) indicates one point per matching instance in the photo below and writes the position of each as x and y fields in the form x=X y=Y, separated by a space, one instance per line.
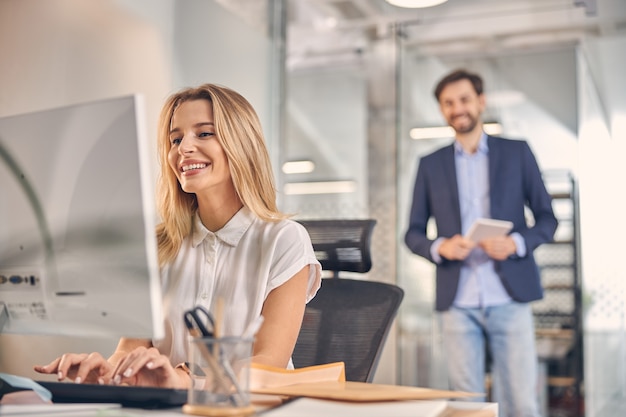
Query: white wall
x=58 y=52
x=603 y=225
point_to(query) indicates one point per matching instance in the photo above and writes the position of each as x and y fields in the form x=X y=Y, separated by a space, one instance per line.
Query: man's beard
x=466 y=128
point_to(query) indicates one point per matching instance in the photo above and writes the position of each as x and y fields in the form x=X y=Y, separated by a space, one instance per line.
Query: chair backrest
x=349 y=319
x=342 y=245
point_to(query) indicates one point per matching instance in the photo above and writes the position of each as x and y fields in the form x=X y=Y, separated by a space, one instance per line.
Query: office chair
x=349 y=319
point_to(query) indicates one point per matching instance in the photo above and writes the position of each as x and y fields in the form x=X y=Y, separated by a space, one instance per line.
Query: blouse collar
x=230 y=234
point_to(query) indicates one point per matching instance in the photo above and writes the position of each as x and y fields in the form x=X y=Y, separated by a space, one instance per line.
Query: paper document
x=265 y=376
x=61 y=410
x=363 y=392
x=484 y=228
x=310 y=407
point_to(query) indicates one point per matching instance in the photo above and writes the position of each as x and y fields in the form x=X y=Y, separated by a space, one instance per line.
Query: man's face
x=461 y=106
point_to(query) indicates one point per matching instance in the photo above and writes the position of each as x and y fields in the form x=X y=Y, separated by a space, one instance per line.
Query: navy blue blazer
x=514 y=182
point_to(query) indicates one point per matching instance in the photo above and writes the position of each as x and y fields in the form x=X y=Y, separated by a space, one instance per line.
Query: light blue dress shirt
x=479 y=284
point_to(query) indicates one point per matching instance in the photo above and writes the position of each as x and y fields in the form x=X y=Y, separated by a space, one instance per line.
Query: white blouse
x=241 y=263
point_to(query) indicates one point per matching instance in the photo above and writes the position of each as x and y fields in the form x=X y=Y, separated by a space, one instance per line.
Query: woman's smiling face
x=196 y=155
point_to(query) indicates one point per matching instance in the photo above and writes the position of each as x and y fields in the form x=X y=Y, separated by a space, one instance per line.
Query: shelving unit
x=558 y=315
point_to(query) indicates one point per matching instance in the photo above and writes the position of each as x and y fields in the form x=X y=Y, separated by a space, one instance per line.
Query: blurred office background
x=343 y=88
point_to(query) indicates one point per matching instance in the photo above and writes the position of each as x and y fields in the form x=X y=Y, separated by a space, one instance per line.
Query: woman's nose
x=186 y=144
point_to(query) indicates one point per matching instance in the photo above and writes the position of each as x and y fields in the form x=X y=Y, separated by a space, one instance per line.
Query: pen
x=216 y=360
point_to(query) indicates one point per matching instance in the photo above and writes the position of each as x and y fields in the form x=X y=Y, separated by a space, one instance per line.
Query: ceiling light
x=492 y=128
x=438 y=132
x=416 y=4
x=431 y=132
x=322 y=187
x=298 y=167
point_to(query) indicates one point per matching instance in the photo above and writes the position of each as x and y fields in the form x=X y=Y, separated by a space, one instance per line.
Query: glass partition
x=530 y=95
x=324 y=159
x=83 y=51
x=339 y=155
x=349 y=151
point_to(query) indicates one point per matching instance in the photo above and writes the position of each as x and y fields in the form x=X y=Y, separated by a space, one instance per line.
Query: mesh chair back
x=342 y=245
x=349 y=319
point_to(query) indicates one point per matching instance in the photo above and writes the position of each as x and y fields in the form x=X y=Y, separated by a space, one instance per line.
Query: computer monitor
x=77 y=222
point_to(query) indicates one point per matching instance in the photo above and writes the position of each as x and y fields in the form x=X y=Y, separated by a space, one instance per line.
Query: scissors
x=197 y=319
x=200 y=323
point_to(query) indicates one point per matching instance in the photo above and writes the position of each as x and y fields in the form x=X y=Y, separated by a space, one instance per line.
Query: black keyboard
x=127 y=396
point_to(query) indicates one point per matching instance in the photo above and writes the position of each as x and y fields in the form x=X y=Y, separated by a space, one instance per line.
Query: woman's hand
x=146 y=366
x=89 y=368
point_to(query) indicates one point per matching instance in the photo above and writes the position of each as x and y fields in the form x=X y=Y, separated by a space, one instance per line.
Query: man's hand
x=456 y=248
x=499 y=248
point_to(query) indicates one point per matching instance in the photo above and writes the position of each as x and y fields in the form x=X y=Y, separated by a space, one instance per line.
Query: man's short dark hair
x=458 y=75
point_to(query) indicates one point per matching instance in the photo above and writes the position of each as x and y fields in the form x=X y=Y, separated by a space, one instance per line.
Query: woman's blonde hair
x=239 y=132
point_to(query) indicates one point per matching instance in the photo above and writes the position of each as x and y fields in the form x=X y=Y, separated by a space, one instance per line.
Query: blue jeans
x=508 y=331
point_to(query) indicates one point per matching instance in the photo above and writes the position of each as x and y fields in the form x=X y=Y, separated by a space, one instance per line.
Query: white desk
x=304 y=407
x=310 y=407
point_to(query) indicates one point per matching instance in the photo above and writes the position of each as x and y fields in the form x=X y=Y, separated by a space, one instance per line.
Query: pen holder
x=220 y=377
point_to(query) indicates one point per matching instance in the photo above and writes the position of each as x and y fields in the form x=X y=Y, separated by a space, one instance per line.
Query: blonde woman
x=222 y=238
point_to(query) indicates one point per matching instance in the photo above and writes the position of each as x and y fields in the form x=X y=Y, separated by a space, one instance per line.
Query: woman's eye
x=176 y=141
x=205 y=134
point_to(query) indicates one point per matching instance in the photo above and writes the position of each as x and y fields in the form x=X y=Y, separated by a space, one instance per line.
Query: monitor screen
x=77 y=217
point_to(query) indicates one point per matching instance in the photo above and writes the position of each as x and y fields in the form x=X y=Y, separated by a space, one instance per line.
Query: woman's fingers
x=79 y=367
x=128 y=366
x=93 y=369
x=49 y=368
x=146 y=367
x=69 y=365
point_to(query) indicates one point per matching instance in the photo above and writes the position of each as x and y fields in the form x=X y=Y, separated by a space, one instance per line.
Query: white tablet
x=484 y=228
